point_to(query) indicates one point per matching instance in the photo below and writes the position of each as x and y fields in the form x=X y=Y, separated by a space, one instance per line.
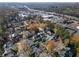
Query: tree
x=75 y=40
x=61 y=32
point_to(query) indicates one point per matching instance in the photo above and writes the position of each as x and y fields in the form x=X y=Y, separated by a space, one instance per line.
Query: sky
x=39 y=0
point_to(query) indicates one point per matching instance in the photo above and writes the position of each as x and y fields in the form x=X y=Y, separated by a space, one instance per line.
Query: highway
x=58 y=20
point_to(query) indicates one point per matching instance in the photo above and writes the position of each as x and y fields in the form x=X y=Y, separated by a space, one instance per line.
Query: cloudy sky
x=39 y=0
